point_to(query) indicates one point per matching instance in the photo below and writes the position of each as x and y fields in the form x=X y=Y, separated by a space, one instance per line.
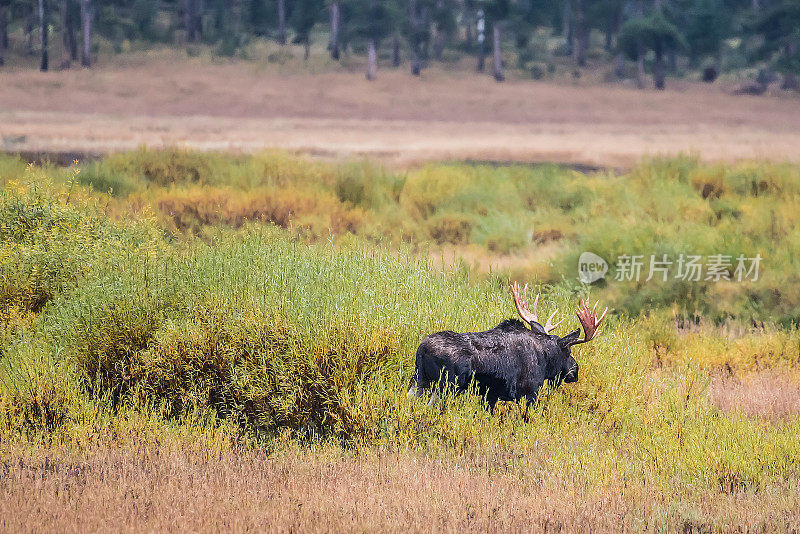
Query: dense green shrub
x=51 y=235
x=545 y=212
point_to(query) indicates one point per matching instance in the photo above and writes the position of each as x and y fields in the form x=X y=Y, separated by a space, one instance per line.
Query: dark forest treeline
x=650 y=34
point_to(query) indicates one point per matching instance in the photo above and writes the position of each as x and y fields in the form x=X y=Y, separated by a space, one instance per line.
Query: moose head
x=560 y=364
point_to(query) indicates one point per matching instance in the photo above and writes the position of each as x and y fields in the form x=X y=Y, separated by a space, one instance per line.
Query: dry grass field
x=178 y=490
x=160 y=100
x=159 y=489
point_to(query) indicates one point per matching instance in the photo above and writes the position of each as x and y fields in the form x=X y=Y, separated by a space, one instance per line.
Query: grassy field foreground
x=255 y=378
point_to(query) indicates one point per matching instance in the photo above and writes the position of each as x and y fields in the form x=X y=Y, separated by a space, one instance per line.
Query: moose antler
x=525 y=313
x=589 y=321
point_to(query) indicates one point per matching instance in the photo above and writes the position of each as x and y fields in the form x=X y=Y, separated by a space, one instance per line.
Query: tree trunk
x=468 y=35
x=658 y=67
x=425 y=23
x=481 y=27
x=281 y=22
x=583 y=44
x=193 y=9
x=640 y=65
x=640 y=49
x=372 y=60
x=416 y=63
x=333 y=44
x=188 y=20
x=438 y=44
x=619 y=66
x=86 y=23
x=43 y=31
x=613 y=27
x=307 y=47
x=3 y=34
x=4 y=27
x=237 y=9
x=498 y=57
x=199 y=8
x=567 y=23
x=658 y=64
x=414 y=20
x=396 y=49
x=71 y=37
x=29 y=24
x=582 y=34
x=65 y=55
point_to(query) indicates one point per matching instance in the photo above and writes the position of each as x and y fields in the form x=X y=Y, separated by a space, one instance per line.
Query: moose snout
x=572 y=375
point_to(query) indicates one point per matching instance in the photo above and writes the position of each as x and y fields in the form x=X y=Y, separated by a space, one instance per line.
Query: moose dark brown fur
x=508 y=362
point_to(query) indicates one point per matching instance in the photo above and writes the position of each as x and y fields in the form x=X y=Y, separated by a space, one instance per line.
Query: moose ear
x=537 y=328
x=570 y=338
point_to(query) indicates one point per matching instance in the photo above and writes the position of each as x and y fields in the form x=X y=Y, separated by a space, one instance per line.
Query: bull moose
x=508 y=362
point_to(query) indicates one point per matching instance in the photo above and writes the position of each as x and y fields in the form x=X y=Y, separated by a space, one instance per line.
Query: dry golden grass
x=247 y=106
x=166 y=489
x=768 y=394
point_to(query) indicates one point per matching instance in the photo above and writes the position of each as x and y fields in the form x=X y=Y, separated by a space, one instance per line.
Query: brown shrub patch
x=188 y=210
x=453 y=228
x=553 y=234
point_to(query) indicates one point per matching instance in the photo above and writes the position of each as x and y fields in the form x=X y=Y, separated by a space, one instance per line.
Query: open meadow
x=328 y=110
x=199 y=341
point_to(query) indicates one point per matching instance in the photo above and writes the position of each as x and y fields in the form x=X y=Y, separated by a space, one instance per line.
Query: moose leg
x=529 y=399
x=493 y=389
x=433 y=400
x=419 y=383
x=415 y=390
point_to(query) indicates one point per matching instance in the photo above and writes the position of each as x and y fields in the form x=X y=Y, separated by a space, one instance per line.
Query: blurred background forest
x=642 y=42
